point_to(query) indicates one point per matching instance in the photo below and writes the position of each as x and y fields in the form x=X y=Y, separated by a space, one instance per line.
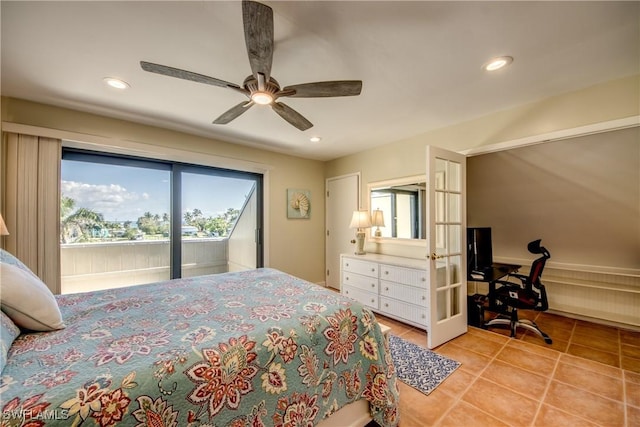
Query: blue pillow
x=8 y=332
x=8 y=258
x=25 y=298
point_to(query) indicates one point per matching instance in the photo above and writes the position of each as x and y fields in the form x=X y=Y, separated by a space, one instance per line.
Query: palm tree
x=196 y=219
x=148 y=223
x=77 y=225
x=66 y=206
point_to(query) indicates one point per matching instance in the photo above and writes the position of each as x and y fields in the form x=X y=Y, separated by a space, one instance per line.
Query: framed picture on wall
x=298 y=204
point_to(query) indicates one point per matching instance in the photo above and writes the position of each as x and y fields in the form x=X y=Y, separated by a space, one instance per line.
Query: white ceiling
x=420 y=62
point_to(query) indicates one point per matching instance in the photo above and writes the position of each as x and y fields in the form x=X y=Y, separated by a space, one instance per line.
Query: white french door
x=446 y=240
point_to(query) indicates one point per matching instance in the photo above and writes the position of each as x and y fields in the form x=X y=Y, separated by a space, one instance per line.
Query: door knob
x=435 y=256
x=353 y=241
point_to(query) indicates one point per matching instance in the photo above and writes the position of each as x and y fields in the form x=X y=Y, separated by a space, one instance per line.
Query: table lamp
x=360 y=220
x=3 y=228
x=377 y=220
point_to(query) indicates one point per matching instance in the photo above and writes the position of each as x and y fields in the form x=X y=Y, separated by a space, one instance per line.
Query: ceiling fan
x=260 y=87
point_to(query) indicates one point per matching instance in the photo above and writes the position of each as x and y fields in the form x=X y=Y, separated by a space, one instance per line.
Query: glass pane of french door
x=218 y=223
x=448 y=225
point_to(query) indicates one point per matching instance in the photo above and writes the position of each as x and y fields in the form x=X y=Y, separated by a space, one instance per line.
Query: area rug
x=418 y=367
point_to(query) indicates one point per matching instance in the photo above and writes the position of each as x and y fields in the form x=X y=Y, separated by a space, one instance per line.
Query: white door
x=446 y=240
x=343 y=197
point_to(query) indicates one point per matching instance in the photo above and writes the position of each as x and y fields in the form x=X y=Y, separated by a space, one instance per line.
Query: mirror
x=401 y=203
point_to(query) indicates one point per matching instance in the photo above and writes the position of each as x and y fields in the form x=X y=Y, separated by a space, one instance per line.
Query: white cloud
x=112 y=200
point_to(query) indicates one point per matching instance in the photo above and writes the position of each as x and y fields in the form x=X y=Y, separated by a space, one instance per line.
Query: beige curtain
x=30 y=185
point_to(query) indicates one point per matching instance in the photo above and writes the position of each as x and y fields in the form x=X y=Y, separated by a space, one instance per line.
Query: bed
x=252 y=348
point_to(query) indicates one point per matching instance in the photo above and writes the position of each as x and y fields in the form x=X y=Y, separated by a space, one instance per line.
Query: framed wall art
x=298 y=204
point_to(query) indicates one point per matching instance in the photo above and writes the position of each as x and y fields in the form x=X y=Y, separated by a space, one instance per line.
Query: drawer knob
x=347 y=264
x=373 y=285
x=424 y=316
x=424 y=279
x=424 y=297
x=386 y=305
x=372 y=300
x=386 y=288
x=346 y=292
x=373 y=269
x=386 y=272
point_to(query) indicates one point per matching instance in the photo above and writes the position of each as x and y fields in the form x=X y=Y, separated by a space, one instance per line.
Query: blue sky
x=124 y=193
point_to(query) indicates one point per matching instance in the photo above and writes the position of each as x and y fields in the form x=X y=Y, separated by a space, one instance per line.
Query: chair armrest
x=544 y=303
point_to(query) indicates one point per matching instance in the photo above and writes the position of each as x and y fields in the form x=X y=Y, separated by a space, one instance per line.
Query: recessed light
x=497 y=63
x=315 y=139
x=116 y=83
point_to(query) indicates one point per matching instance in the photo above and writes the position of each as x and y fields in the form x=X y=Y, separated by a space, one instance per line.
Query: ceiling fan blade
x=258 y=36
x=291 y=115
x=233 y=113
x=188 y=75
x=325 y=89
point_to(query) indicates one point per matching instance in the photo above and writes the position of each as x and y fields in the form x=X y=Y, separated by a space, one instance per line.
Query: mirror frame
x=388 y=183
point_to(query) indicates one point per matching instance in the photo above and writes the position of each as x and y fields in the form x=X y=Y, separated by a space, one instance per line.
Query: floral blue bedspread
x=253 y=348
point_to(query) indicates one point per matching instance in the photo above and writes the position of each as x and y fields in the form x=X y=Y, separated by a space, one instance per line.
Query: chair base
x=518 y=323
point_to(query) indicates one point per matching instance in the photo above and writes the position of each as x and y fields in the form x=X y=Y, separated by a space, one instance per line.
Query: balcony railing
x=107 y=265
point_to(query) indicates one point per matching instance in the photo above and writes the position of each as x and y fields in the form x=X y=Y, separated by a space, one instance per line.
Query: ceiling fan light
x=262 y=98
x=497 y=63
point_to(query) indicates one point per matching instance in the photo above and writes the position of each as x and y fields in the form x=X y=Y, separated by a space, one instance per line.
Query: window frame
x=176 y=168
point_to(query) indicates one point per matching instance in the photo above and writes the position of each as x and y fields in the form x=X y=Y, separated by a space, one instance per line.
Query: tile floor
x=589 y=376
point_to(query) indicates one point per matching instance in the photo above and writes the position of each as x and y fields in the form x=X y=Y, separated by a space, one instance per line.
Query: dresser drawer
x=365 y=268
x=411 y=312
x=367 y=298
x=366 y=283
x=408 y=276
x=410 y=294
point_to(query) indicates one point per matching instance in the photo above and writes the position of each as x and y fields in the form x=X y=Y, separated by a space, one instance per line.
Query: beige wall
x=605 y=102
x=294 y=246
x=297 y=246
x=608 y=101
x=581 y=196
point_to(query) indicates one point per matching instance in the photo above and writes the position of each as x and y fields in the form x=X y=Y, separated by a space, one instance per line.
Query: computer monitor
x=479 y=250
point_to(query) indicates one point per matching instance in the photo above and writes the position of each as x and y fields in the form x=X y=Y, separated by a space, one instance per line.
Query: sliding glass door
x=127 y=221
x=218 y=229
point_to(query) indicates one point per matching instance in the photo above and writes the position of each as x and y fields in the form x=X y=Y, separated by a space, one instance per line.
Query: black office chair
x=509 y=297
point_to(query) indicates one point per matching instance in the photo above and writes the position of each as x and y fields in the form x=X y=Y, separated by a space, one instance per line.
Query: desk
x=496 y=272
x=475 y=303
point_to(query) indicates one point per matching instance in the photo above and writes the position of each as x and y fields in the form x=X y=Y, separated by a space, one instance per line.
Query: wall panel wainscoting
x=602 y=295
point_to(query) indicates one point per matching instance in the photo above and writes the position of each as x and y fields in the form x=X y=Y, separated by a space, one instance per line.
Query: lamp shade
x=377 y=218
x=360 y=219
x=3 y=227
